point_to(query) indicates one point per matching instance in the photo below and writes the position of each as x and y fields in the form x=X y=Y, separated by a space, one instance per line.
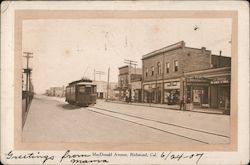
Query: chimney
x=203 y=49
x=182 y=44
x=219 y=65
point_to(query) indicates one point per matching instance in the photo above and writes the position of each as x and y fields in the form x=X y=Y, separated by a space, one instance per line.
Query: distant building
x=56 y=91
x=177 y=72
x=129 y=83
x=102 y=90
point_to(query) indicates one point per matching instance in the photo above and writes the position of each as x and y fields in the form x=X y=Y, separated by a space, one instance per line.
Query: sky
x=67 y=50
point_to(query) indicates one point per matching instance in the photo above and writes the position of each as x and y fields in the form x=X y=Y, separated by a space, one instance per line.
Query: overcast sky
x=66 y=50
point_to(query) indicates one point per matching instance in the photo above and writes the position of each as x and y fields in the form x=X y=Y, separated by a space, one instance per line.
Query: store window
x=167 y=67
x=176 y=64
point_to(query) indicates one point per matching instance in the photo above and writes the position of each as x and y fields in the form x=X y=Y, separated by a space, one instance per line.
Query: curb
x=195 y=111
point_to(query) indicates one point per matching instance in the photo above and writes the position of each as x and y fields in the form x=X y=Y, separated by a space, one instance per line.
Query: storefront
x=122 y=94
x=172 y=93
x=198 y=91
x=136 y=91
x=152 y=93
x=147 y=93
x=211 y=89
x=220 y=93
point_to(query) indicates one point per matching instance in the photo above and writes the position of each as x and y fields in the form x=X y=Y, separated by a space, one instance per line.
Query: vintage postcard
x=125 y=82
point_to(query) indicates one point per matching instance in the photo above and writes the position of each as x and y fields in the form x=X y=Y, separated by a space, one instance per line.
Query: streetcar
x=81 y=92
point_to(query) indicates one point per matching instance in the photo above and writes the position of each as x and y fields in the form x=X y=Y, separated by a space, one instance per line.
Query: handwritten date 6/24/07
x=181 y=156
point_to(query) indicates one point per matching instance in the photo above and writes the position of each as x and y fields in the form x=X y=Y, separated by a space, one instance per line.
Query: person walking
x=182 y=104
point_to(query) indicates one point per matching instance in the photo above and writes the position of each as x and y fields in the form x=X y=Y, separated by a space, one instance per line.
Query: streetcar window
x=67 y=90
x=82 y=89
x=93 y=89
x=88 y=90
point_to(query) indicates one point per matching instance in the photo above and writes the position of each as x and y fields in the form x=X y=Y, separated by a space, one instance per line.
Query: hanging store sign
x=198 y=84
x=197 y=80
x=172 y=85
x=225 y=81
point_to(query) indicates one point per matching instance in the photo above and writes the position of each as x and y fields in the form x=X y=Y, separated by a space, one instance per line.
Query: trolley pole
x=108 y=85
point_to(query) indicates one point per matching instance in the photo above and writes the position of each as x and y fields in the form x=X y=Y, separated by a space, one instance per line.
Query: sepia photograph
x=95 y=85
x=138 y=80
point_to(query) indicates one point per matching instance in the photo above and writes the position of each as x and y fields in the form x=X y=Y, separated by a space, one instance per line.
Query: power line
x=99 y=73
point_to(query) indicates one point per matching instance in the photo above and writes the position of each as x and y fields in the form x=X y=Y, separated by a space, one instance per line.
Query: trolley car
x=81 y=92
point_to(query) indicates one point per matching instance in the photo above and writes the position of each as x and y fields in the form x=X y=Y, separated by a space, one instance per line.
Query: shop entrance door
x=224 y=97
x=200 y=97
x=197 y=96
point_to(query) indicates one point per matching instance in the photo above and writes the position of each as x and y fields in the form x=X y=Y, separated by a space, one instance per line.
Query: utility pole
x=108 y=85
x=27 y=70
x=131 y=63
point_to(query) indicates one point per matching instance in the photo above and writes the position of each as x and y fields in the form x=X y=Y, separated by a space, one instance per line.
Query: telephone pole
x=108 y=85
x=27 y=70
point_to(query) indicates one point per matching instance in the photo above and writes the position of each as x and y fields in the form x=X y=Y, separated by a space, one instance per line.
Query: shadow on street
x=68 y=106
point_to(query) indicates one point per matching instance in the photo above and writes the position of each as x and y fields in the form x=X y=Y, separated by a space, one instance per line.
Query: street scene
x=102 y=84
x=118 y=122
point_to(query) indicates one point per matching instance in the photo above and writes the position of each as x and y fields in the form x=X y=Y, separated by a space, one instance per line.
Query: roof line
x=165 y=49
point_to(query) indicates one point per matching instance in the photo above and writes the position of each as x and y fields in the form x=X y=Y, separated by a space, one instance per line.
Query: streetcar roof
x=81 y=83
x=85 y=83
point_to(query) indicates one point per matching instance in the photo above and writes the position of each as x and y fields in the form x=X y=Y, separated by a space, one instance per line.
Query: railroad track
x=197 y=135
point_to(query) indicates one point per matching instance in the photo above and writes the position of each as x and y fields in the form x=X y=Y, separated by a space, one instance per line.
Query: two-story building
x=170 y=74
x=129 y=83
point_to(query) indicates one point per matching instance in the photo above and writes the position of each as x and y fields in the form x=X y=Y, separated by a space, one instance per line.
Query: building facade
x=129 y=83
x=56 y=91
x=102 y=89
x=209 y=88
x=170 y=72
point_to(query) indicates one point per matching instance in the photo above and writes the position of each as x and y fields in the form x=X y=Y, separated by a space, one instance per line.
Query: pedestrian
x=182 y=104
x=127 y=99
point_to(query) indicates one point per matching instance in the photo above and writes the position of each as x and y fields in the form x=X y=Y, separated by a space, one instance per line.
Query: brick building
x=168 y=74
x=129 y=83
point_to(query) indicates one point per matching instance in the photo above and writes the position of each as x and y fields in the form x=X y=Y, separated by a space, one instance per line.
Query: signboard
x=172 y=85
x=220 y=82
x=136 y=85
x=197 y=80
